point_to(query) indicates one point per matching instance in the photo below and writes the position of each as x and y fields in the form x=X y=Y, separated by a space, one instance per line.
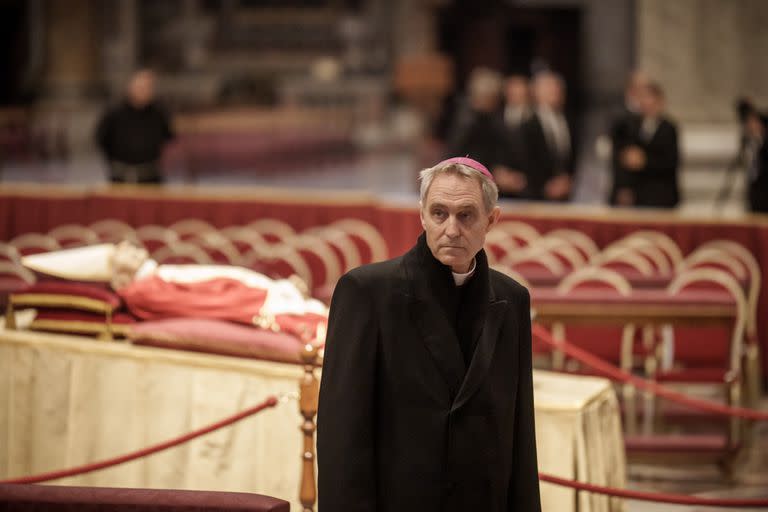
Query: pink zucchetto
x=469 y=162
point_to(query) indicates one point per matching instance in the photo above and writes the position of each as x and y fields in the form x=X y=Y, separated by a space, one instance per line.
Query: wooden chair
x=243 y=239
x=341 y=243
x=218 y=247
x=716 y=363
x=612 y=344
x=372 y=245
x=9 y=253
x=182 y=253
x=577 y=239
x=519 y=231
x=321 y=260
x=13 y=277
x=190 y=228
x=279 y=261
x=153 y=237
x=752 y=352
x=74 y=235
x=272 y=230
x=498 y=245
x=34 y=243
x=113 y=230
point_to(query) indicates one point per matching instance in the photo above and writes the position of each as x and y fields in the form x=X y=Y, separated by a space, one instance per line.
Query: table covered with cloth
x=67 y=401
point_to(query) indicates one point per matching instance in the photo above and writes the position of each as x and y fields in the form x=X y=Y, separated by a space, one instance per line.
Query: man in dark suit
x=548 y=142
x=651 y=157
x=621 y=136
x=426 y=400
x=756 y=160
x=509 y=170
x=133 y=134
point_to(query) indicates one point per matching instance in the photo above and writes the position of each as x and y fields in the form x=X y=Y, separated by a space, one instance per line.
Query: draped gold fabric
x=66 y=401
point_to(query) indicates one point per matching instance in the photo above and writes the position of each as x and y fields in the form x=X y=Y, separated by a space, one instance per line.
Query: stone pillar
x=72 y=70
x=705 y=53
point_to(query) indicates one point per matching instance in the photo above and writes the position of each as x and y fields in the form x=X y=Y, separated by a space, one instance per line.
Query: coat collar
x=426 y=278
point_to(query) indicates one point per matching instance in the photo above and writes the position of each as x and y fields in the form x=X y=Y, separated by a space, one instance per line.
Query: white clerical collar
x=460 y=279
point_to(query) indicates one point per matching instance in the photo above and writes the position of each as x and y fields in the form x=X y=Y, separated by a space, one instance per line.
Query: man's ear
x=493 y=218
x=421 y=216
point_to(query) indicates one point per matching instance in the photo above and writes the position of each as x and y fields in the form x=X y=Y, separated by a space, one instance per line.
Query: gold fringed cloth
x=578 y=437
x=67 y=401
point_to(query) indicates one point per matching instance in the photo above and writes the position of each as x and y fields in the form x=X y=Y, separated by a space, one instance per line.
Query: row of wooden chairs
x=318 y=255
x=561 y=264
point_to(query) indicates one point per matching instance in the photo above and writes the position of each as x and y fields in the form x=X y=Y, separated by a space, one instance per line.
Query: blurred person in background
x=517 y=95
x=548 y=142
x=650 y=158
x=132 y=135
x=621 y=129
x=756 y=160
x=509 y=174
x=478 y=130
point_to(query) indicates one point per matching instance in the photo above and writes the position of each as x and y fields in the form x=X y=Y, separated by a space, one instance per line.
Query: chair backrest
x=279 y=261
x=534 y=256
x=368 y=235
x=581 y=241
x=272 y=230
x=498 y=244
x=603 y=277
x=189 y=228
x=520 y=231
x=182 y=253
x=14 y=271
x=714 y=278
x=73 y=235
x=663 y=242
x=342 y=245
x=755 y=277
x=34 y=243
x=617 y=257
x=312 y=247
x=9 y=253
x=218 y=247
x=154 y=237
x=113 y=230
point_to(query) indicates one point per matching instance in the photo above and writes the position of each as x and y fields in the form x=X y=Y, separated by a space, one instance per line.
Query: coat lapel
x=441 y=342
x=483 y=357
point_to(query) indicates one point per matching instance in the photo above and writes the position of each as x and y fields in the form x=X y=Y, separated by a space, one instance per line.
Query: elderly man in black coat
x=426 y=401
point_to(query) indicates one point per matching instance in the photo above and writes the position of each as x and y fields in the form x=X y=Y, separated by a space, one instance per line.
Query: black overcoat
x=402 y=424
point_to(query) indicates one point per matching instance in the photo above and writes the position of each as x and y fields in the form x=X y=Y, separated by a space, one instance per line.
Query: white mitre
x=92 y=263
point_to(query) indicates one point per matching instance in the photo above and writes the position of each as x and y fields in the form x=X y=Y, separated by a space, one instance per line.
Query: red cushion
x=30 y=498
x=700 y=443
x=79 y=322
x=64 y=292
x=218 y=337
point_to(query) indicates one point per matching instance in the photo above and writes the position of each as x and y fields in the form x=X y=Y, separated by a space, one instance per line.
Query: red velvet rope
x=272 y=401
x=679 y=499
x=617 y=374
x=87 y=468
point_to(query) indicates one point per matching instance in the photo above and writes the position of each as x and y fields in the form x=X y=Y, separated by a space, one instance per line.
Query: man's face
x=651 y=104
x=517 y=91
x=455 y=221
x=549 y=93
x=141 y=90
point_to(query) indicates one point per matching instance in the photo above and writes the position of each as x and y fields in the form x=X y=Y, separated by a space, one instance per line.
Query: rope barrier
x=272 y=402
x=88 y=468
x=617 y=374
x=677 y=499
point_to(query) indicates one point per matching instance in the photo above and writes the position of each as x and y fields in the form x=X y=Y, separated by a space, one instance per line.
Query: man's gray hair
x=489 y=189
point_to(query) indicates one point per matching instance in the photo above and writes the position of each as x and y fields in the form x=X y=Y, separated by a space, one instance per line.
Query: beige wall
x=705 y=53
